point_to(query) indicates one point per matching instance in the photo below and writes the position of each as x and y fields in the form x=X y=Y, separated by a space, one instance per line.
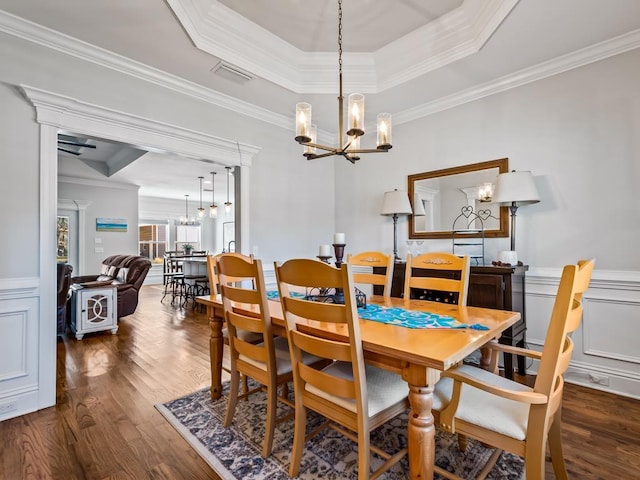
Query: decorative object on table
x=339 y=242
x=234 y=452
x=306 y=133
x=465 y=230
x=514 y=189
x=111 y=225
x=227 y=204
x=187 y=248
x=324 y=253
x=395 y=203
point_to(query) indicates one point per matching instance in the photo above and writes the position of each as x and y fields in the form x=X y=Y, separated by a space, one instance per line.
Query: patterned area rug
x=234 y=452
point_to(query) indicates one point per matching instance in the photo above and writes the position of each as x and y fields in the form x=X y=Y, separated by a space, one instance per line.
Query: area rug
x=234 y=452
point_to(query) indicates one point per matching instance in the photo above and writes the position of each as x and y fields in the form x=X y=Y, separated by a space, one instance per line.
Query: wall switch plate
x=99 y=250
x=98 y=240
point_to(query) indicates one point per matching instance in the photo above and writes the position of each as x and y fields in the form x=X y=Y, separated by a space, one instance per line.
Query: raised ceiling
x=505 y=43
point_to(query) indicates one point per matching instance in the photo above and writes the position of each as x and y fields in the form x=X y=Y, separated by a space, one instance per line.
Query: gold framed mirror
x=443 y=201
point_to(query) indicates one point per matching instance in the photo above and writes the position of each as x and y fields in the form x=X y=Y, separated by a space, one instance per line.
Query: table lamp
x=512 y=190
x=395 y=203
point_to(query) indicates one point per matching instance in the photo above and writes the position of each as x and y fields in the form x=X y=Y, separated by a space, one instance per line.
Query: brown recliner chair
x=64 y=282
x=127 y=273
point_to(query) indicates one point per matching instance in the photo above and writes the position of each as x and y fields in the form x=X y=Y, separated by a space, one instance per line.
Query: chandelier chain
x=340 y=37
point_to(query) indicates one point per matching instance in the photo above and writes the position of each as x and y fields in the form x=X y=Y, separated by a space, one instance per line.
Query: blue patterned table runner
x=400 y=316
x=412 y=318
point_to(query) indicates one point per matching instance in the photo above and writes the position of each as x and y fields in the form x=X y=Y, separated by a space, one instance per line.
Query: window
x=153 y=239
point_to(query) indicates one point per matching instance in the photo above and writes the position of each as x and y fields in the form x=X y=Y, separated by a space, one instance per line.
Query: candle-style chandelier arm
x=306 y=132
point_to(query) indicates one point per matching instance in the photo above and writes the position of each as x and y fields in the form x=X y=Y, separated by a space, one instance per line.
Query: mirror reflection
x=458 y=198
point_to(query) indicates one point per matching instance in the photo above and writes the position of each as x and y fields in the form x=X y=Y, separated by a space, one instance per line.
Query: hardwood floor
x=105 y=426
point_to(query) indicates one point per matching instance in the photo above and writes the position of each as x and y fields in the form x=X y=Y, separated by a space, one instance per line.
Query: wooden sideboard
x=489 y=287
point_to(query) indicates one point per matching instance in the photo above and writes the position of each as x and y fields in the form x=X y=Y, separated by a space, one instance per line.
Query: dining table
x=418 y=355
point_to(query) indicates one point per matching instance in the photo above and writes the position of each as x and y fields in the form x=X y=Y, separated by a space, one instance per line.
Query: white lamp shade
x=517 y=187
x=396 y=202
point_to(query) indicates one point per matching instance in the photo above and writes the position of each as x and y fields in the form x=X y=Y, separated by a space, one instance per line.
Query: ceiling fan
x=64 y=142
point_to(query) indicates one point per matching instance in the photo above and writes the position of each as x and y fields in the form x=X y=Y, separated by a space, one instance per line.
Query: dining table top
x=438 y=348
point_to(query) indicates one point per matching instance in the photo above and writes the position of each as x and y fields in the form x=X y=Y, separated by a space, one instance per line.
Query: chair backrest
x=445 y=263
x=231 y=269
x=64 y=282
x=565 y=319
x=307 y=273
x=373 y=259
x=211 y=270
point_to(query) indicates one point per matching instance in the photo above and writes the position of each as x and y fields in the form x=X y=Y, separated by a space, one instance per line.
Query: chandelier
x=186 y=220
x=306 y=133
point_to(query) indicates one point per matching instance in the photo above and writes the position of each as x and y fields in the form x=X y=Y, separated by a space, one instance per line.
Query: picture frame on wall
x=62 y=235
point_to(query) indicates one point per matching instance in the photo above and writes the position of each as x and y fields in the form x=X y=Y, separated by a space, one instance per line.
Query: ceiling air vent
x=231 y=72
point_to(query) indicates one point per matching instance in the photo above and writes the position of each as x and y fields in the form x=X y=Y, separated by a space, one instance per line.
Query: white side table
x=93 y=309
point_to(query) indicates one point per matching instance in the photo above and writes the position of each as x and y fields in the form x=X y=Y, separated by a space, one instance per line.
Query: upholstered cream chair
x=267 y=362
x=354 y=398
x=511 y=416
x=447 y=263
x=373 y=259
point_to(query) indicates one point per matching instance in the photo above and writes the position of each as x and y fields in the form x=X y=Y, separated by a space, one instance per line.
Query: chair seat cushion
x=384 y=388
x=283 y=357
x=486 y=410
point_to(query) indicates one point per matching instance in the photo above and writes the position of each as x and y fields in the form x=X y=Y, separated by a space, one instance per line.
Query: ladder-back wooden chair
x=267 y=362
x=354 y=398
x=510 y=416
x=373 y=259
x=456 y=267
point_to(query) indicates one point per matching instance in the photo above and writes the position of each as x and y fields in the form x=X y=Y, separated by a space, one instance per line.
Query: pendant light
x=200 y=209
x=227 y=204
x=213 y=209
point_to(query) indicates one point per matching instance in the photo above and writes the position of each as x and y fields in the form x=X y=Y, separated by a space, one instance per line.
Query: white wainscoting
x=606 y=352
x=19 y=324
x=606 y=355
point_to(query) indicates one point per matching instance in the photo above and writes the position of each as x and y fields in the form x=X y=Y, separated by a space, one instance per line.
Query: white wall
x=578 y=132
x=105 y=202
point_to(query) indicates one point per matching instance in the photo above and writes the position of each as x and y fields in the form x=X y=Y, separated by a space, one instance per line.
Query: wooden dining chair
x=373 y=259
x=443 y=273
x=267 y=362
x=354 y=398
x=214 y=289
x=508 y=415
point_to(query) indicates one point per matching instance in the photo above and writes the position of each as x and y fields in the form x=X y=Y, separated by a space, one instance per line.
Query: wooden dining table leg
x=216 y=348
x=421 y=436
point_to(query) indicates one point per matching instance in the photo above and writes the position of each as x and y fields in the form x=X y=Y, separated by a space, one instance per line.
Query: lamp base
x=508 y=256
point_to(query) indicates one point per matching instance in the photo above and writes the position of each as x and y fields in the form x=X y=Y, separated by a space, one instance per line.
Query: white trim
x=223 y=33
x=95 y=182
x=56 y=111
x=76 y=116
x=40 y=35
x=579 y=58
x=19 y=287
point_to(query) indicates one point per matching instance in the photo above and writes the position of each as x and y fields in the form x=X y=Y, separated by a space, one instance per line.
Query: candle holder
x=324 y=259
x=338 y=249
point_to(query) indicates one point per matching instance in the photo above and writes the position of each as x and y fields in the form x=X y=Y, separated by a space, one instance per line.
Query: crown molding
x=94 y=182
x=73 y=115
x=579 y=58
x=32 y=32
x=40 y=35
x=221 y=32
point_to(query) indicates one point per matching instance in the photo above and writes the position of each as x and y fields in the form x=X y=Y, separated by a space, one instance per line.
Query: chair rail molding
x=605 y=346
